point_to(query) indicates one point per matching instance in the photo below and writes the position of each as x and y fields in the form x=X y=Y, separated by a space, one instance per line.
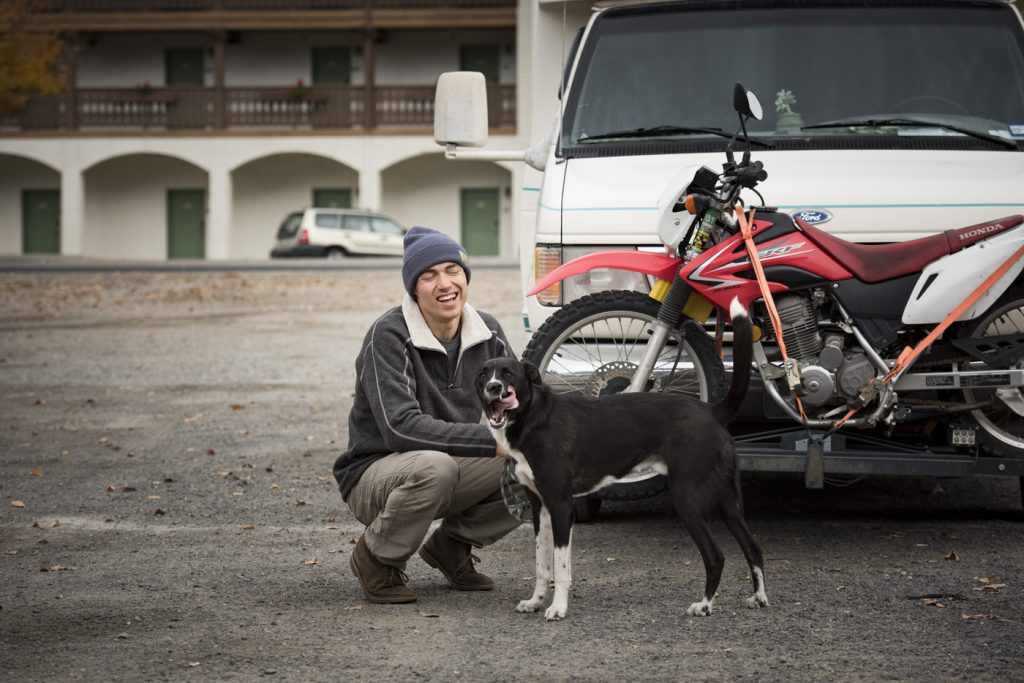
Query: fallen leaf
x=933 y=602
x=610 y=559
x=991 y=587
x=938 y=489
x=12 y=552
x=840 y=588
x=152 y=497
x=308 y=562
x=192 y=418
x=56 y=523
x=275 y=486
x=210 y=451
x=37 y=473
x=104 y=439
x=895 y=535
x=353 y=608
x=159 y=513
x=429 y=615
x=270 y=468
x=246 y=527
x=193 y=664
x=237 y=406
x=300 y=503
x=17 y=504
x=983 y=579
x=952 y=555
x=111 y=488
x=975 y=617
x=40 y=401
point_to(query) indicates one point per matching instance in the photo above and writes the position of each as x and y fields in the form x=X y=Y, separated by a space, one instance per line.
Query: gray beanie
x=425 y=248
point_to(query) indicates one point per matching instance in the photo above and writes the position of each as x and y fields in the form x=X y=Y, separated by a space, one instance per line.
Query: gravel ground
x=167 y=513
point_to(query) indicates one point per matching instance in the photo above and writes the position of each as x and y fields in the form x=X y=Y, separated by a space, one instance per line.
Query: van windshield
x=664 y=75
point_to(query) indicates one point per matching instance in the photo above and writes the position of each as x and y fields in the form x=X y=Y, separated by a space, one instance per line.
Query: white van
x=884 y=121
x=336 y=233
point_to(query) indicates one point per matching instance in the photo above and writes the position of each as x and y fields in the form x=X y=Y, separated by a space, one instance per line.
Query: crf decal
x=779 y=251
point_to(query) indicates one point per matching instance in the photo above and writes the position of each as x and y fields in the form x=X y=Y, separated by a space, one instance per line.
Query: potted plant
x=789 y=120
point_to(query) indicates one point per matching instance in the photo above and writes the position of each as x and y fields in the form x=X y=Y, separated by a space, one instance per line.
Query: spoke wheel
x=593 y=346
x=1001 y=422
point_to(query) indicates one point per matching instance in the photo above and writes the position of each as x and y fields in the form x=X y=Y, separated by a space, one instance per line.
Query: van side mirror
x=460 y=109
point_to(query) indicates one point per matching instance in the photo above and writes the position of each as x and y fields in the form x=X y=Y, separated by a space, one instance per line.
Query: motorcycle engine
x=825 y=364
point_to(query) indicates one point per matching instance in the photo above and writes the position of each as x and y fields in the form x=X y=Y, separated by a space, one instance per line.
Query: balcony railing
x=243 y=108
x=73 y=6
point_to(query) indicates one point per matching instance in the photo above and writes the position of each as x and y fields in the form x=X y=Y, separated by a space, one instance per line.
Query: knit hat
x=425 y=248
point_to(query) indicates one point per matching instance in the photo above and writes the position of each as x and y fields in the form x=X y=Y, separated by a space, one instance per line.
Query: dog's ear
x=532 y=373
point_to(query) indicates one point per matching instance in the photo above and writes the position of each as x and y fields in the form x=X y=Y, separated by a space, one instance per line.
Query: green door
x=184 y=66
x=332 y=65
x=332 y=197
x=40 y=221
x=480 y=221
x=186 y=224
x=482 y=58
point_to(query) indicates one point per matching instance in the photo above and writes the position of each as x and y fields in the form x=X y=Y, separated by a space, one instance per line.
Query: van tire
x=335 y=254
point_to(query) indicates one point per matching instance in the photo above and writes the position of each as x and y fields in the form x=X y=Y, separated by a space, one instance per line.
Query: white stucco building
x=193 y=126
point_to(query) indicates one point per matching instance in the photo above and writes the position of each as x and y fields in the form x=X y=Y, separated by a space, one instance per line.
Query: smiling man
x=417 y=449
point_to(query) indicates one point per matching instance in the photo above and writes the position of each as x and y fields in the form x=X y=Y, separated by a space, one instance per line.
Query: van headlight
x=547 y=259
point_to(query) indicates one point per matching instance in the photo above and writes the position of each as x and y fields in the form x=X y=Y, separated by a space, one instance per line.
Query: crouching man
x=417 y=450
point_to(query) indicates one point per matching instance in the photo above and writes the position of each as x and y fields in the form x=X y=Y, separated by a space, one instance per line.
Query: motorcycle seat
x=878 y=262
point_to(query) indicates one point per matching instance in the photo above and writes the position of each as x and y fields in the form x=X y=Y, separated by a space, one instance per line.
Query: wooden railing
x=86 y=6
x=241 y=108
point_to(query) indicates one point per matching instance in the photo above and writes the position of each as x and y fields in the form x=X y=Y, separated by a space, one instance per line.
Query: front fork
x=669 y=315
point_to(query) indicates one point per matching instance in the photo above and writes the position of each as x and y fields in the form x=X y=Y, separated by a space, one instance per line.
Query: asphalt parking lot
x=167 y=512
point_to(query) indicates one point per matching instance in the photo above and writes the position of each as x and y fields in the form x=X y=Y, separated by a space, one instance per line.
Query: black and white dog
x=570 y=444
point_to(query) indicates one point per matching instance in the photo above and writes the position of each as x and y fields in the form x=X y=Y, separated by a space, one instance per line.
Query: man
x=417 y=449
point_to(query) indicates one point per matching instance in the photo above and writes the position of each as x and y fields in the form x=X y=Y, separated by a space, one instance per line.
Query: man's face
x=441 y=293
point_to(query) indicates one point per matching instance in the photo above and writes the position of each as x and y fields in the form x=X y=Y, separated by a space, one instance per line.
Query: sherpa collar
x=474 y=329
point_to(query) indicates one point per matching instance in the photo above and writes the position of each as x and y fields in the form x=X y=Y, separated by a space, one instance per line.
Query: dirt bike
x=917 y=346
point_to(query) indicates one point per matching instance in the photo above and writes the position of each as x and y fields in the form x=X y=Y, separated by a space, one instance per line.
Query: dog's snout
x=494 y=388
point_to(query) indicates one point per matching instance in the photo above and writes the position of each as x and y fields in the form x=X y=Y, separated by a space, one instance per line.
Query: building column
x=218 y=214
x=369 y=188
x=72 y=212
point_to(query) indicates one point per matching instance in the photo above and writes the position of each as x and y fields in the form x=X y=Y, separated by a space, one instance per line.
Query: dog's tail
x=742 y=354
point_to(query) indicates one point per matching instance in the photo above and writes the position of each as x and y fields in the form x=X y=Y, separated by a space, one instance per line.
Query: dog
x=565 y=445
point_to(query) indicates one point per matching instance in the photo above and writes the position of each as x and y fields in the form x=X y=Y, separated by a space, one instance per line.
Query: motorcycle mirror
x=754 y=105
x=746 y=103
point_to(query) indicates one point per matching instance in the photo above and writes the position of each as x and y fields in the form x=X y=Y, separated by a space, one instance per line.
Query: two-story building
x=192 y=127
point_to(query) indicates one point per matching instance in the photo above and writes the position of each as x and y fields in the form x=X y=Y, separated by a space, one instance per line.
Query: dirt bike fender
x=661 y=266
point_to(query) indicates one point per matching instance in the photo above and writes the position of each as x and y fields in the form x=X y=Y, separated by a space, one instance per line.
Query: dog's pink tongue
x=506 y=403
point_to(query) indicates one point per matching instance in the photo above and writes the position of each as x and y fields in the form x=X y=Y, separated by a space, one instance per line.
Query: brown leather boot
x=455 y=561
x=381 y=583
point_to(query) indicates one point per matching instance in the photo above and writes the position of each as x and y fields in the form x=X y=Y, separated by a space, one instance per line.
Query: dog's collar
x=474 y=329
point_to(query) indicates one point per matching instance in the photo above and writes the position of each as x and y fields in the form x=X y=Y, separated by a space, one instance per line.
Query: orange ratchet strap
x=766 y=294
x=909 y=355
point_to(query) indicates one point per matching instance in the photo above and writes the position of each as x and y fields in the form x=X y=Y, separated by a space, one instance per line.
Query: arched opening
x=145 y=206
x=30 y=197
x=265 y=190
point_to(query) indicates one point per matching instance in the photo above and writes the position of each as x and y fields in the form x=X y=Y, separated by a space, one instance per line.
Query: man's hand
x=502 y=452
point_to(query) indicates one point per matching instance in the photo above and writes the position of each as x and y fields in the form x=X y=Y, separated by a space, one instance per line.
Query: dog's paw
x=757 y=600
x=530 y=605
x=554 y=613
x=700 y=609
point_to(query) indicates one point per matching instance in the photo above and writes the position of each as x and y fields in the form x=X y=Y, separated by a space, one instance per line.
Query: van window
x=328 y=220
x=289 y=226
x=386 y=227
x=808 y=64
x=360 y=223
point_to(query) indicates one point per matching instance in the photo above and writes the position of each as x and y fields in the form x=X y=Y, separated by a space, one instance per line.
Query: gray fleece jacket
x=407 y=397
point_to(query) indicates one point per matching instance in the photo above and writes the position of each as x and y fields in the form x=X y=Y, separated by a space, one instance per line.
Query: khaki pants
x=399 y=496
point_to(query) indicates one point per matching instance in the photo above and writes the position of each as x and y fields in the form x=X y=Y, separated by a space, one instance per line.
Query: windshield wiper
x=659 y=131
x=902 y=121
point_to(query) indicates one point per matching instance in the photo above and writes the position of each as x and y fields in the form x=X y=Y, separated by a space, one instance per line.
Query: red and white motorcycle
x=918 y=342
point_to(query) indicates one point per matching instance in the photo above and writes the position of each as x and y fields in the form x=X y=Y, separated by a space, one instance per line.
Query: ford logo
x=813 y=216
